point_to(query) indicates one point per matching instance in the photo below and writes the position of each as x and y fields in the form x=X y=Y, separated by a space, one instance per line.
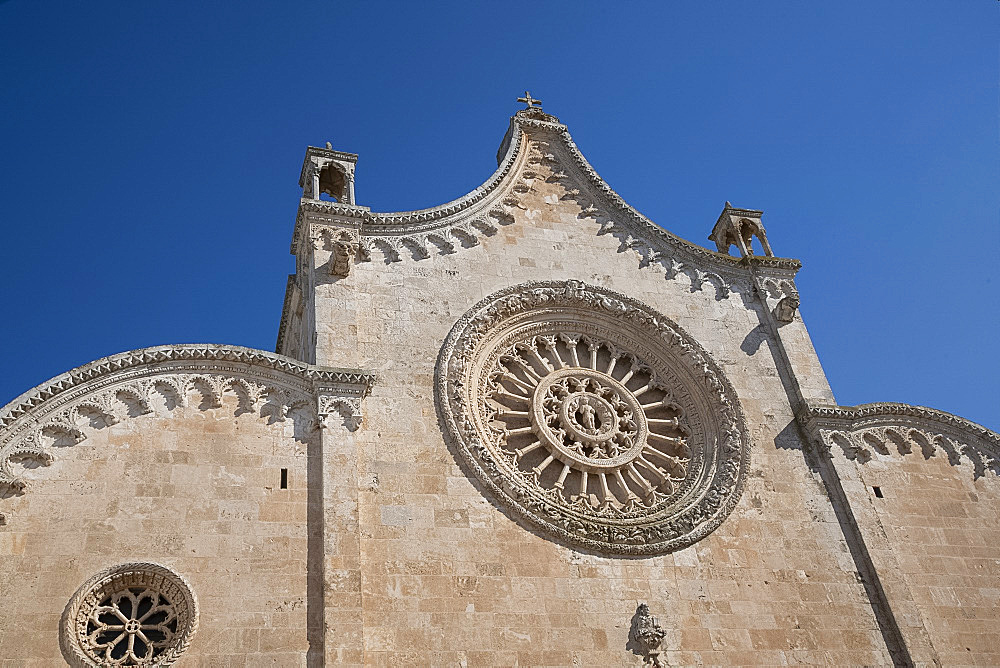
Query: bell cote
x=738 y=227
x=328 y=172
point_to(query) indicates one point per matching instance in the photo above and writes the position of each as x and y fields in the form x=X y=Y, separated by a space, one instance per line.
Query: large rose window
x=593 y=417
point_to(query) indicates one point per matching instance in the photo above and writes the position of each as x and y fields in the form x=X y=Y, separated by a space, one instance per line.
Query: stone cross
x=530 y=101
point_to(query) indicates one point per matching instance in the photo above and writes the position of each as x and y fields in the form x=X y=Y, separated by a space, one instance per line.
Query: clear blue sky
x=151 y=152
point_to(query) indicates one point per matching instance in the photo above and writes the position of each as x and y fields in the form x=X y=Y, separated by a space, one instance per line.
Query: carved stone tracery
x=593 y=417
x=587 y=433
x=137 y=614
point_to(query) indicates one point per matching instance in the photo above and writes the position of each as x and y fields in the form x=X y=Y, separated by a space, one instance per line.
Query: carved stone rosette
x=593 y=417
x=137 y=614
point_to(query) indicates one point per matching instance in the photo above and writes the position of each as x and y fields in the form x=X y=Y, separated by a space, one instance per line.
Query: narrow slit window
x=878 y=491
x=284 y=479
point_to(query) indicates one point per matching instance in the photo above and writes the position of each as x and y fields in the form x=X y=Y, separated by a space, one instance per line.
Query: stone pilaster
x=336 y=633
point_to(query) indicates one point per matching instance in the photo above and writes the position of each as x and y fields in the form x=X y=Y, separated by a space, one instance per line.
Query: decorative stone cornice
x=537 y=146
x=862 y=431
x=63 y=410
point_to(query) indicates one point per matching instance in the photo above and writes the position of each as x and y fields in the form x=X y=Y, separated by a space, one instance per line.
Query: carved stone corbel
x=784 y=310
x=342 y=243
x=339 y=401
x=344 y=252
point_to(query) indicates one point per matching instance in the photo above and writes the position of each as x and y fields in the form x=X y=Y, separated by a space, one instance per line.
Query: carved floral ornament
x=136 y=614
x=593 y=417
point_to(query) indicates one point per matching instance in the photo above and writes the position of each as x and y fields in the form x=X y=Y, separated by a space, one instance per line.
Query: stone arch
x=333 y=182
x=748 y=230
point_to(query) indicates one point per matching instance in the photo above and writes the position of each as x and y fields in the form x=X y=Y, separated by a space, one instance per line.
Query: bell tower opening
x=741 y=228
x=328 y=175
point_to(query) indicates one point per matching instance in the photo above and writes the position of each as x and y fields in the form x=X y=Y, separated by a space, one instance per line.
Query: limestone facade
x=527 y=427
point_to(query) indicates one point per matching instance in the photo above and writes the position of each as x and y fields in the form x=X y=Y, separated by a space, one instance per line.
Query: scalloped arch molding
x=64 y=410
x=537 y=147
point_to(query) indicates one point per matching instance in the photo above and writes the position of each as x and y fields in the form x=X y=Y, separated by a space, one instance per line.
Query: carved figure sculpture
x=648 y=634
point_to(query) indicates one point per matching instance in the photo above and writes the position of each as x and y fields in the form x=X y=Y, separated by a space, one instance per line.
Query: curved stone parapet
x=862 y=431
x=537 y=147
x=63 y=410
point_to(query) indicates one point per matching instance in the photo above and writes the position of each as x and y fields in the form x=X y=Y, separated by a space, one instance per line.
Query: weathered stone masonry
x=526 y=427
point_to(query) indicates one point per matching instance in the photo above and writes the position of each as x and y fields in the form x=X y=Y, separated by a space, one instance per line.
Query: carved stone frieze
x=126 y=386
x=862 y=432
x=778 y=288
x=593 y=417
x=333 y=401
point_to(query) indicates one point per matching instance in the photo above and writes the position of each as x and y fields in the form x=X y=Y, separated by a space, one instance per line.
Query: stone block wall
x=197 y=490
x=934 y=528
x=449 y=578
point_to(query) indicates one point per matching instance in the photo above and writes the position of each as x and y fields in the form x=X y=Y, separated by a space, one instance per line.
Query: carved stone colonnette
x=64 y=410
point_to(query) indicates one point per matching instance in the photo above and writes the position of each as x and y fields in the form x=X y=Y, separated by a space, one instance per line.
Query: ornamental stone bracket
x=593 y=417
x=342 y=242
x=777 y=290
x=67 y=409
x=864 y=432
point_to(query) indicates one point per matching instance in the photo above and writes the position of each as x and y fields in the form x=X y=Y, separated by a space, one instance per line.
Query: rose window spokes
x=593 y=417
x=587 y=422
x=132 y=627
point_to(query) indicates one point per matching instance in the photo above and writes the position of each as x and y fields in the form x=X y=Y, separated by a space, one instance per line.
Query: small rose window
x=129 y=615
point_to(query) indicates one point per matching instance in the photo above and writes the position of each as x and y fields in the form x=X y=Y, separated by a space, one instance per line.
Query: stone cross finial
x=530 y=101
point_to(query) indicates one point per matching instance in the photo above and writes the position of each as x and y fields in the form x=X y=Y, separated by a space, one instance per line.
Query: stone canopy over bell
x=326 y=171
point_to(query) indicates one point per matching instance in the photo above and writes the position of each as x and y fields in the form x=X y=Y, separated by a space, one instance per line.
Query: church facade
x=528 y=427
